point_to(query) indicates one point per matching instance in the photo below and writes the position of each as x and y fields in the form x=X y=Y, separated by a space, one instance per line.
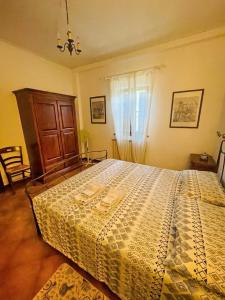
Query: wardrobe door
x=68 y=128
x=48 y=127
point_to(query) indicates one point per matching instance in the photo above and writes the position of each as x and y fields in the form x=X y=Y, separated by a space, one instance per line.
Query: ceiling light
x=70 y=44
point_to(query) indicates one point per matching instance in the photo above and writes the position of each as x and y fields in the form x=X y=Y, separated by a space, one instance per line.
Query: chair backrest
x=11 y=156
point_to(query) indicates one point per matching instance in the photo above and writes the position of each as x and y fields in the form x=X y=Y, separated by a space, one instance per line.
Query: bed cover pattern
x=125 y=247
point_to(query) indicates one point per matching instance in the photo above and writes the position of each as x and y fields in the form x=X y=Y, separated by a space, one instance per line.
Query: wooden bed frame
x=49 y=179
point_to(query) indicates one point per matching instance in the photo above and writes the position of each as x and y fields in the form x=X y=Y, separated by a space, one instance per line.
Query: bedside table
x=202 y=165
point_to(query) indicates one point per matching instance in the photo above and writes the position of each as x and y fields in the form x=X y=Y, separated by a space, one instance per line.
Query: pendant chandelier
x=70 y=44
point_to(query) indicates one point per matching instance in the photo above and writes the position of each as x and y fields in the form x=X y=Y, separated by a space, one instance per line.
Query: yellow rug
x=67 y=284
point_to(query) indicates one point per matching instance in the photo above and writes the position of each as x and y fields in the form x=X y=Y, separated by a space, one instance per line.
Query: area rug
x=67 y=284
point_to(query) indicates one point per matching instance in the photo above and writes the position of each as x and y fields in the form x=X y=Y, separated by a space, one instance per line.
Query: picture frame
x=98 y=109
x=186 y=108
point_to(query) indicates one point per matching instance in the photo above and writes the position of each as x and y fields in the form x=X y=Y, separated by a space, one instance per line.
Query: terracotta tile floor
x=26 y=262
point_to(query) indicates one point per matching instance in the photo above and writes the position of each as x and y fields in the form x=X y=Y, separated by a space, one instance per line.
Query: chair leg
x=11 y=184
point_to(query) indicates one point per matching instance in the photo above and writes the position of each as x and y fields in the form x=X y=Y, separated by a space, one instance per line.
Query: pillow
x=203 y=186
x=199 y=248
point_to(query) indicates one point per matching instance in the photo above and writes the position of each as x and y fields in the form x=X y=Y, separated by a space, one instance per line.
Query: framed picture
x=186 y=108
x=98 y=110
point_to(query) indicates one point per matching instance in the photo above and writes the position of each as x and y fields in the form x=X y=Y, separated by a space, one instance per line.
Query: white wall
x=200 y=64
x=195 y=65
x=20 y=69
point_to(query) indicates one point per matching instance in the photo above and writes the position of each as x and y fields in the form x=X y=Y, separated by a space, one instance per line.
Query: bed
x=148 y=233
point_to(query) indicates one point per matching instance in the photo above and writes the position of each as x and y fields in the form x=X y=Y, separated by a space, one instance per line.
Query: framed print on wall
x=186 y=108
x=98 y=110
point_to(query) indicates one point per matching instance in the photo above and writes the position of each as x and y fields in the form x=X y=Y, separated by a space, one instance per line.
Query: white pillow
x=203 y=186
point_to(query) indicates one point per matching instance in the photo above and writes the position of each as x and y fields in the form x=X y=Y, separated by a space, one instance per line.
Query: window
x=130 y=101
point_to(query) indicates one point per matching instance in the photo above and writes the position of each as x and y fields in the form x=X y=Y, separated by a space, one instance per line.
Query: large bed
x=148 y=233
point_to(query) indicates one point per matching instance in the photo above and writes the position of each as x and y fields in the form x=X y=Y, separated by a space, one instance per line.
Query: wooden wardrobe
x=49 y=127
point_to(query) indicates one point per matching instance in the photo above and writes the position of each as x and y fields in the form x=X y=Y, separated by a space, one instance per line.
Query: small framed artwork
x=98 y=110
x=186 y=108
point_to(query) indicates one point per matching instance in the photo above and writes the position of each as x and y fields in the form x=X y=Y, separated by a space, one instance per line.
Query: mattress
x=126 y=246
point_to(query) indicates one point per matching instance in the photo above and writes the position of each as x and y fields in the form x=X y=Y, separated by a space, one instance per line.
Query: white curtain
x=121 y=111
x=130 y=101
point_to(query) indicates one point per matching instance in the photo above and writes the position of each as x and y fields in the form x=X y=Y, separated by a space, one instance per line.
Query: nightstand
x=202 y=165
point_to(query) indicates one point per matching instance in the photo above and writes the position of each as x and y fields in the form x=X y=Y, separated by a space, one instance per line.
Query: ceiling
x=106 y=27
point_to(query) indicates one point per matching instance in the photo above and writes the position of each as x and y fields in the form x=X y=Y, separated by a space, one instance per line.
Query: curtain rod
x=156 y=67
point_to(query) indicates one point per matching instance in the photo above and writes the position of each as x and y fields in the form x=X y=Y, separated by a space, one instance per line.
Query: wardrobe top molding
x=43 y=93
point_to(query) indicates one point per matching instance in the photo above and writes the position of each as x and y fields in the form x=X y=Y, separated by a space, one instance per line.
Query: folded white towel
x=91 y=189
x=112 y=197
x=88 y=191
x=79 y=197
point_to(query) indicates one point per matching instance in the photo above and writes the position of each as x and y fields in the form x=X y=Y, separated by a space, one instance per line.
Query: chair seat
x=17 y=169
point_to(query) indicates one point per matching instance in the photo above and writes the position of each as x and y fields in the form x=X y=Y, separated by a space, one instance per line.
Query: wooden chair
x=11 y=159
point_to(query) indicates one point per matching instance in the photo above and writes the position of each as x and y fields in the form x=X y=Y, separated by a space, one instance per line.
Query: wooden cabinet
x=49 y=126
x=67 y=129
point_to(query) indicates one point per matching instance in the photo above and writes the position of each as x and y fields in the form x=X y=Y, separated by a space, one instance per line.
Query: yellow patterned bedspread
x=125 y=245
